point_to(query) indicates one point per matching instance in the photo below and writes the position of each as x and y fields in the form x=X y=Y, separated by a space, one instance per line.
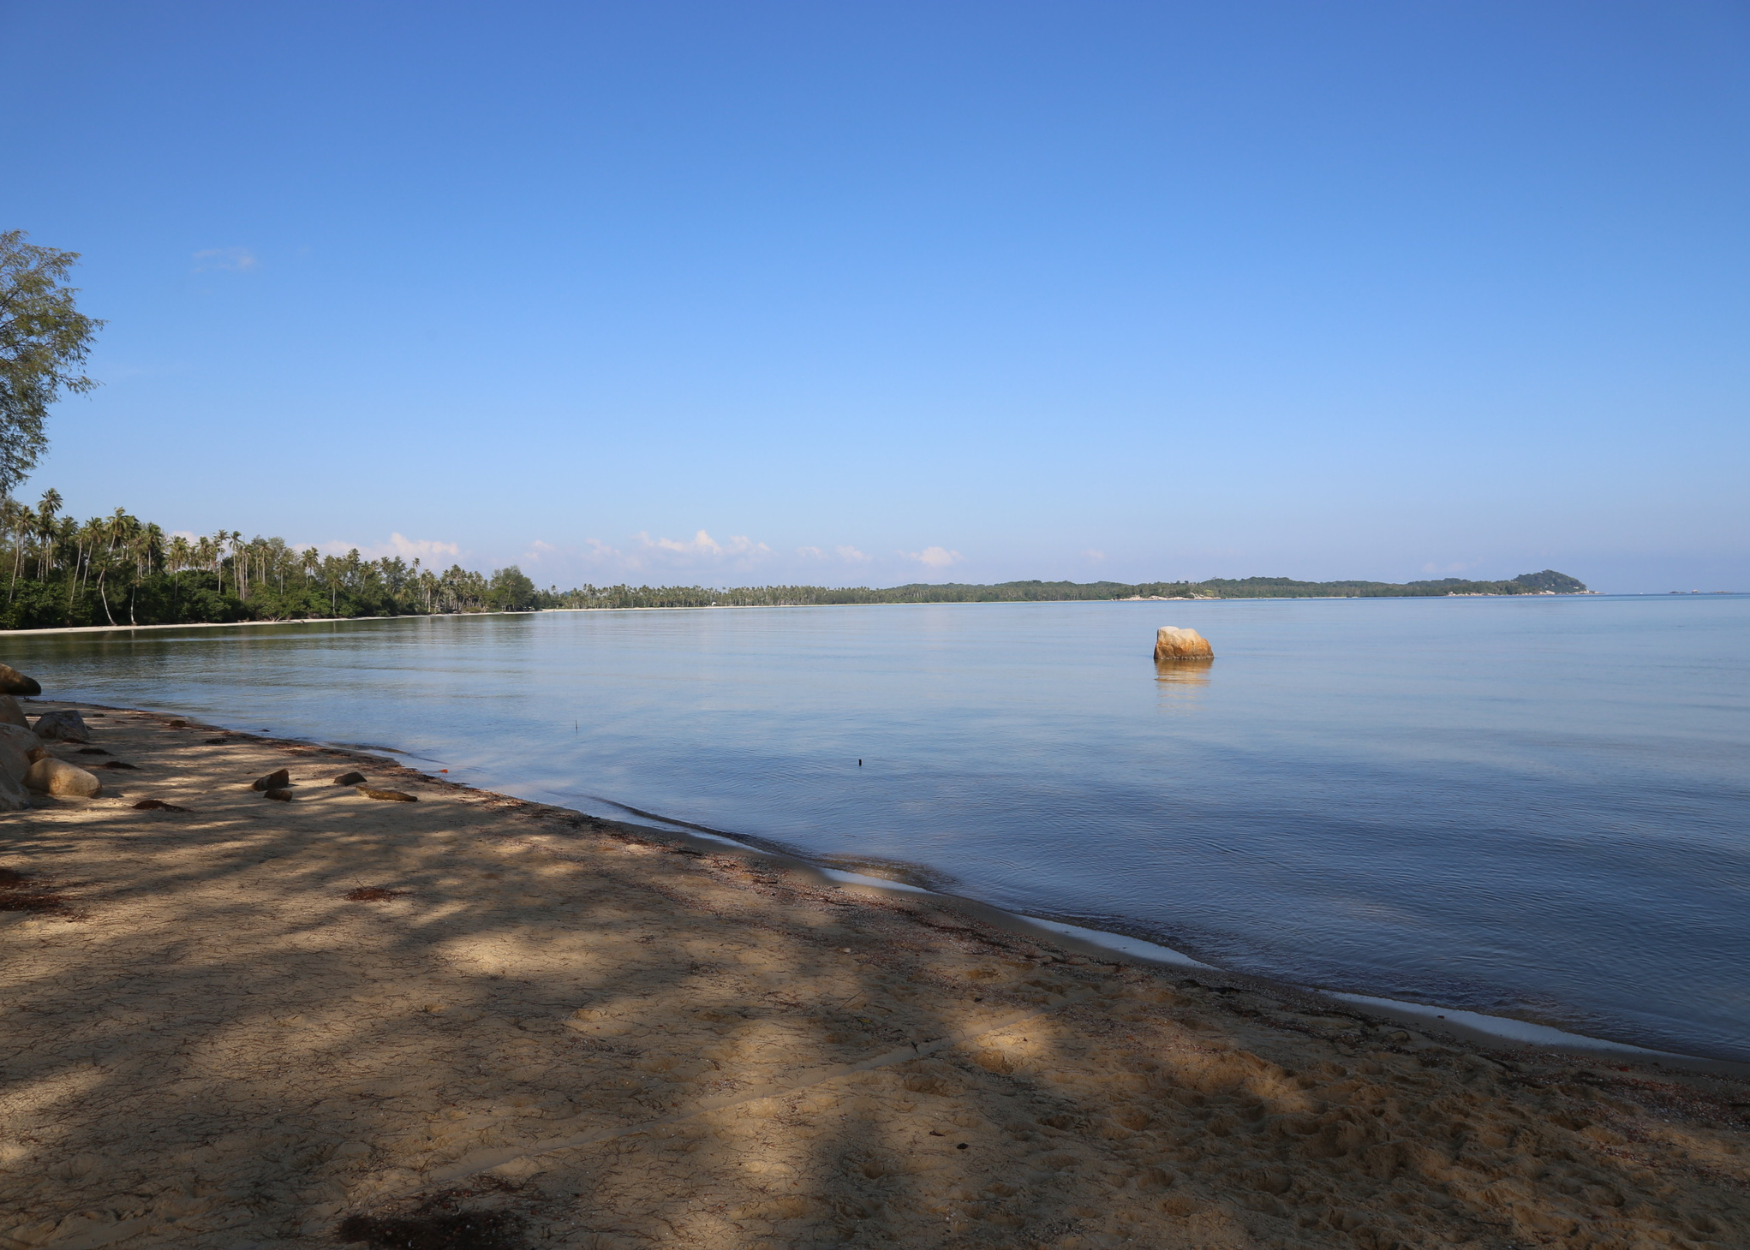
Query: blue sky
x=873 y=293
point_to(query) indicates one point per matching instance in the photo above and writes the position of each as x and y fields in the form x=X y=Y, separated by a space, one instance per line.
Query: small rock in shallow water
x=14 y=682
x=279 y=779
x=349 y=779
x=63 y=724
x=391 y=796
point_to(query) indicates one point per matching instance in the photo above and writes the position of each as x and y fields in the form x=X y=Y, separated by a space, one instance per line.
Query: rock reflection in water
x=1193 y=672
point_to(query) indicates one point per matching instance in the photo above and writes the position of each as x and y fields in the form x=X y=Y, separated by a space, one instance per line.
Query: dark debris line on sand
x=19 y=892
x=479 y=1230
x=372 y=894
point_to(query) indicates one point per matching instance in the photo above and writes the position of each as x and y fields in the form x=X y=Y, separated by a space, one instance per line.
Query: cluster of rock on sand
x=480 y=1024
x=26 y=763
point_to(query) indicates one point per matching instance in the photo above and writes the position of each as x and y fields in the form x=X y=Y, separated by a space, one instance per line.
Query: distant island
x=116 y=570
x=1548 y=582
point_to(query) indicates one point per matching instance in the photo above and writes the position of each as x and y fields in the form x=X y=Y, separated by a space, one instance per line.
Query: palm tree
x=46 y=509
x=17 y=522
x=152 y=549
x=63 y=534
x=178 y=559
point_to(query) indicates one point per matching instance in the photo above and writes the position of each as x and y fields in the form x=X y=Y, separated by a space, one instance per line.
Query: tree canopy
x=43 y=341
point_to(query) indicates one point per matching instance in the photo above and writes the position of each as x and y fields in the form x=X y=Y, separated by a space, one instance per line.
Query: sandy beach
x=473 y=1021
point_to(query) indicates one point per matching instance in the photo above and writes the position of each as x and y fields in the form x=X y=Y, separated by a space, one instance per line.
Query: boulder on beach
x=63 y=725
x=1173 y=643
x=17 y=746
x=52 y=776
x=14 y=682
x=389 y=796
x=279 y=779
x=11 y=713
x=279 y=794
x=350 y=779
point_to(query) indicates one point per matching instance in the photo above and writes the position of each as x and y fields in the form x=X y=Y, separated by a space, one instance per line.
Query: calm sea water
x=1535 y=807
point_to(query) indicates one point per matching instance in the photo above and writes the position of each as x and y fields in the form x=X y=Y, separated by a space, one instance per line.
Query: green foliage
x=510 y=591
x=115 y=570
x=43 y=339
x=1550 y=580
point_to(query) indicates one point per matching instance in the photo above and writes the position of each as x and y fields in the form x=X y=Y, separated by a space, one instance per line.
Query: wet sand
x=527 y=1027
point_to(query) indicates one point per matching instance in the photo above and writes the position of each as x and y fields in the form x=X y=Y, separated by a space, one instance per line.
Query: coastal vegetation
x=118 y=570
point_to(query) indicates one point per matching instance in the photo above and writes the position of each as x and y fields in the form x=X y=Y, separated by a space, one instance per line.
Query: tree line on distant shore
x=116 y=570
x=1547 y=582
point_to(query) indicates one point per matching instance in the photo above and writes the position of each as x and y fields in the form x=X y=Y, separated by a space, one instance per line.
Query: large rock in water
x=11 y=713
x=52 y=776
x=1173 y=643
x=64 y=724
x=14 y=682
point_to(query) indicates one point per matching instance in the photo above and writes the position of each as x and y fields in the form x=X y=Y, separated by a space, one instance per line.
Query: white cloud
x=933 y=557
x=1095 y=554
x=702 y=544
x=700 y=556
x=225 y=260
x=427 y=551
x=850 y=555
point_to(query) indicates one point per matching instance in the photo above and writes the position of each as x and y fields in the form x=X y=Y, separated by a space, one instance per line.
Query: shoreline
x=240 y=1021
x=1508 y=1032
x=1472 y=1026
